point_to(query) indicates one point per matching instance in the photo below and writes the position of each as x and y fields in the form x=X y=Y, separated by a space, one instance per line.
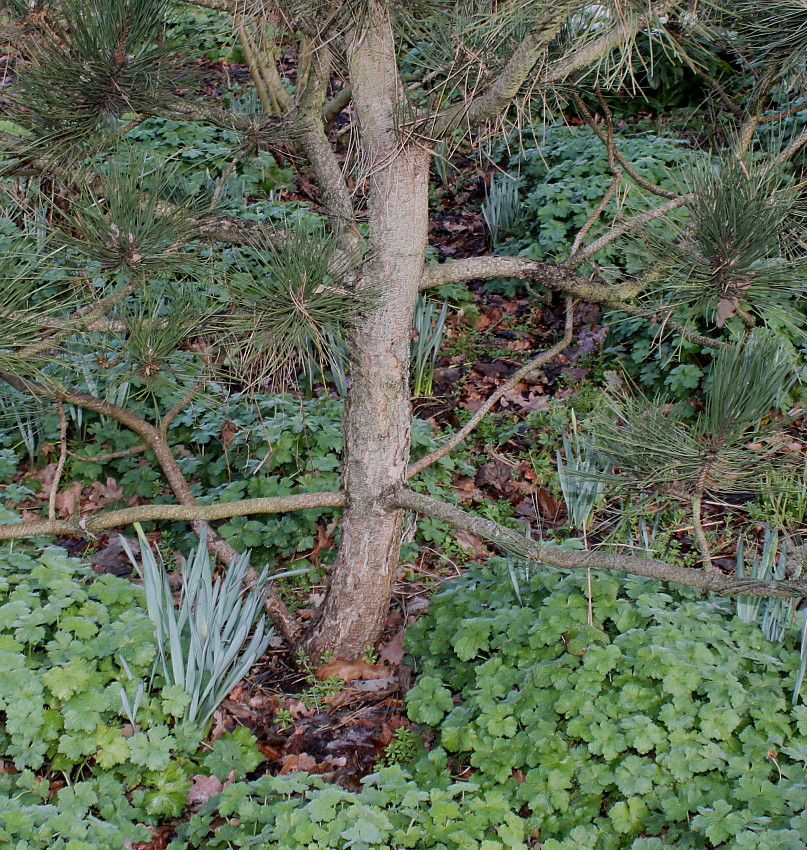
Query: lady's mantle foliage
x=665 y=718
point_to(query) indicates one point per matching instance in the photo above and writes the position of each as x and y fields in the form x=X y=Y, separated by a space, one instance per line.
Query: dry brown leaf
x=297 y=708
x=471 y=541
x=105 y=494
x=45 y=475
x=392 y=652
x=349 y=671
x=67 y=500
x=203 y=788
x=494 y=474
x=303 y=761
x=548 y=505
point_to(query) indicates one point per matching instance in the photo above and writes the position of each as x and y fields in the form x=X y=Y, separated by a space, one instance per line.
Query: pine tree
x=132 y=260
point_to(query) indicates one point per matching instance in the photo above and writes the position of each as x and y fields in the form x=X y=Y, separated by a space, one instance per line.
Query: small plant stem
x=598 y=211
x=588 y=582
x=700 y=534
x=231 y=166
x=169 y=417
x=57 y=477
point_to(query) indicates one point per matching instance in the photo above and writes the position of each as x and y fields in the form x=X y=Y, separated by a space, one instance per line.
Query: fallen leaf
x=297 y=709
x=112 y=558
x=471 y=541
x=392 y=652
x=526 y=508
x=228 y=431
x=548 y=505
x=44 y=475
x=203 y=788
x=494 y=474
x=303 y=761
x=67 y=500
x=349 y=671
x=726 y=308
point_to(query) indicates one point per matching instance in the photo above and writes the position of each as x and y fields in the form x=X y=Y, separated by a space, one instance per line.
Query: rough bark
x=378 y=415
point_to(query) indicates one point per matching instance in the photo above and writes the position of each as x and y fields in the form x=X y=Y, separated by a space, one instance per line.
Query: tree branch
x=239 y=231
x=218 y=5
x=161 y=450
x=785 y=155
x=135 y=450
x=602 y=559
x=57 y=476
x=667 y=322
x=315 y=145
x=560 y=69
x=82 y=319
x=506 y=387
x=498 y=96
x=614 y=153
x=336 y=104
x=551 y=275
x=228 y=229
x=155 y=513
x=596 y=213
x=628 y=224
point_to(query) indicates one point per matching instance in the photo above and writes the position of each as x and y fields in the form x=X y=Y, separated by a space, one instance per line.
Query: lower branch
x=158 y=444
x=575 y=559
x=155 y=513
x=506 y=387
x=667 y=322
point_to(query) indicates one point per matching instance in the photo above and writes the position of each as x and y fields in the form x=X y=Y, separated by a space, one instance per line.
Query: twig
x=581 y=234
x=135 y=450
x=613 y=151
x=57 y=477
x=223 y=179
x=506 y=387
x=667 y=322
x=785 y=155
x=727 y=101
x=252 y=63
x=624 y=227
x=169 y=417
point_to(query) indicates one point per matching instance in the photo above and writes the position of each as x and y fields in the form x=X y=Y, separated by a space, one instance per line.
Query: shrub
x=664 y=723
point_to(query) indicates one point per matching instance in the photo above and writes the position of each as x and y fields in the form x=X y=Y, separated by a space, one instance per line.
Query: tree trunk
x=378 y=415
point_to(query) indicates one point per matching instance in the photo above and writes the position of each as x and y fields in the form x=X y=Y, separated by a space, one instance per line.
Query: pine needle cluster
x=24 y=303
x=291 y=308
x=137 y=217
x=98 y=60
x=737 y=252
x=658 y=448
